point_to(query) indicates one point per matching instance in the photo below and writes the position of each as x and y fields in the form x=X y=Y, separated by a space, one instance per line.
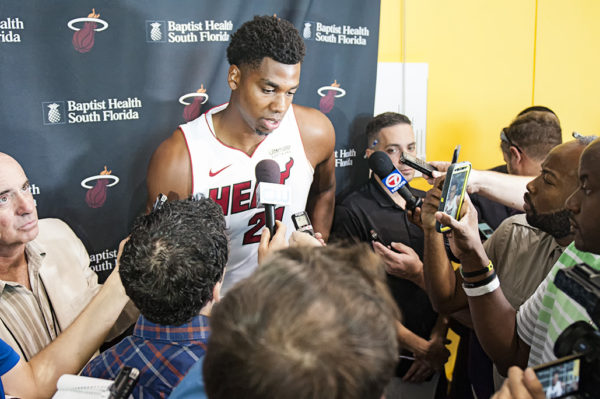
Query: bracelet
x=484 y=289
x=479 y=272
x=480 y=283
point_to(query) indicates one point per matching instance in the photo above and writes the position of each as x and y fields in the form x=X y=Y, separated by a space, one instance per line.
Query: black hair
x=266 y=36
x=382 y=121
x=173 y=259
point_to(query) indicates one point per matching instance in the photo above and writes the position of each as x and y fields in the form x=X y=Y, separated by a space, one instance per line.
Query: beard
x=557 y=224
x=261 y=133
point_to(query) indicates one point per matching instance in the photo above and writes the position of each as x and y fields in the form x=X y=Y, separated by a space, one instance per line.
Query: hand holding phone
x=453 y=192
x=417 y=164
x=302 y=223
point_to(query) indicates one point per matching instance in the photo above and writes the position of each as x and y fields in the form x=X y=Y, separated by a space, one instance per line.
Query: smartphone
x=560 y=378
x=453 y=192
x=124 y=383
x=455 y=154
x=158 y=203
x=485 y=231
x=417 y=164
x=302 y=223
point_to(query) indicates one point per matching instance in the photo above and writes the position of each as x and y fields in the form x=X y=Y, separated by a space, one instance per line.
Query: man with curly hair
x=172 y=269
x=216 y=154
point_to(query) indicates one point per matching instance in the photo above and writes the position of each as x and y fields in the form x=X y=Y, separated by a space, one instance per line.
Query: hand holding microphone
x=392 y=179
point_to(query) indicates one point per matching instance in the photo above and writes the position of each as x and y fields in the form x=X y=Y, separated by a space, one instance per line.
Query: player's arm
x=71 y=350
x=169 y=171
x=318 y=138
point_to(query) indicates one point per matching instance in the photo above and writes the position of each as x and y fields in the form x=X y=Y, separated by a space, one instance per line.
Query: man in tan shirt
x=45 y=279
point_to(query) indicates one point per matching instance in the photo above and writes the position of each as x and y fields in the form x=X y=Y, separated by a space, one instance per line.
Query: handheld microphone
x=392 y=179
x=269 y=191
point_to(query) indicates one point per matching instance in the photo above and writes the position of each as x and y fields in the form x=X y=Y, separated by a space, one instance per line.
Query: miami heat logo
x=328 y=100
x=192 y=109
x=96 y=195
x=83 y=38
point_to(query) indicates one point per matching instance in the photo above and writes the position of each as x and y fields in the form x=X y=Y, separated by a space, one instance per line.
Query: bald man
x=45 y=279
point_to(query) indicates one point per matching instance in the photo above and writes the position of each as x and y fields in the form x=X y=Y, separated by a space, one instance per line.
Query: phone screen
x=453 y=201
x=560 y=378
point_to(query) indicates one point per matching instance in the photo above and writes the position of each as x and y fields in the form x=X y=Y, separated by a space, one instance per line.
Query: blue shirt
x=192 y=386
x=163 y=354
x=8 y=359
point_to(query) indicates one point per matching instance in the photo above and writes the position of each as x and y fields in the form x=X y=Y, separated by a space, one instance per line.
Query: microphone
x=269 y=191
x=392 y=179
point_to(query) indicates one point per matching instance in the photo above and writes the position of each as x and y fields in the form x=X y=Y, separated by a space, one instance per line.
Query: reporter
x=69 y=352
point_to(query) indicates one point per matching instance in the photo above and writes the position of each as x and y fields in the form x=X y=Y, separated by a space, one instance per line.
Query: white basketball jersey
x=227 y=175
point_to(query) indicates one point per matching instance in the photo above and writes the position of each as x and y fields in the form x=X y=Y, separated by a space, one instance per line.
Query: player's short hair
x=535 y=133
x=173 y=259
x=309 y=323
x=266 y=36
x=382 y=121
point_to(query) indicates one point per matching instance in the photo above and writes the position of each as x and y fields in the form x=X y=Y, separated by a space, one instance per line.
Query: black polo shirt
x=370 y=207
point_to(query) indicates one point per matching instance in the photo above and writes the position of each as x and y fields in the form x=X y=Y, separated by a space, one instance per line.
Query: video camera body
x=578 y=346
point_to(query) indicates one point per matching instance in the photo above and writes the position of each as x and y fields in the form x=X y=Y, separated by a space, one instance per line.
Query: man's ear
x=234 y=76
x=515 y=154
x=217 y=291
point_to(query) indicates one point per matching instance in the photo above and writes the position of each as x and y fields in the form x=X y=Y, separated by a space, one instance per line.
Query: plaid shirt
x=163 y=354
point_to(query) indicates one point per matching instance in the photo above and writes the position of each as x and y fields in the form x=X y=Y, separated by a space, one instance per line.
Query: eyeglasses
x=504 y=137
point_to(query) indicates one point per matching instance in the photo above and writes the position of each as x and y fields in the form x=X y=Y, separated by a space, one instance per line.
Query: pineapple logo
x=307 y=32
x=155 y=31
x=53 y=112
x=83 y=38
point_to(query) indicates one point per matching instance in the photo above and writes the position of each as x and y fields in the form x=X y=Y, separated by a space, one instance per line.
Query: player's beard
x=260 y=133
x=556 y=224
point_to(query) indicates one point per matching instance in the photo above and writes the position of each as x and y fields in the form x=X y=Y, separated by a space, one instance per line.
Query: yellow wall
x=490 y=59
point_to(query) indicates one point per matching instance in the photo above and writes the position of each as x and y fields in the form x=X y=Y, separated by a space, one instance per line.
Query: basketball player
x=216 y=154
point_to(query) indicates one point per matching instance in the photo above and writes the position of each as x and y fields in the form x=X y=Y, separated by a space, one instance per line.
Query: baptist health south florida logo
x=9 y=28
x=208 y=30
x=96 y=110
x=336 y=34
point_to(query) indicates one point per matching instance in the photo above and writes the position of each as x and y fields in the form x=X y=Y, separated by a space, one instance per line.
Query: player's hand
x=268 y=245
x=300 y=239
x=520 y=385
x=464 y=236
x=403 y=263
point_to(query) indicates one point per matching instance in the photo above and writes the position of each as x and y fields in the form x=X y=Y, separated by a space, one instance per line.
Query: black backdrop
x=95 y=85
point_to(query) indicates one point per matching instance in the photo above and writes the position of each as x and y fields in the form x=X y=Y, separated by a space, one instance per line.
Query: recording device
x=455 y=154
x=392 y=179
x=302 y=223
x=269 y=191
x=485 y=231
x=124 y=383
x=453 y=192
x=578 y=346
x=417 y=164
x=159 y=202
x=561 y=377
